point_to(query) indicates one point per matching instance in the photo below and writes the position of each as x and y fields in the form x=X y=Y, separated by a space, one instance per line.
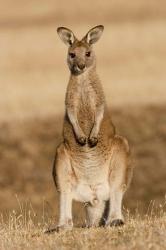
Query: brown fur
x=91 y=164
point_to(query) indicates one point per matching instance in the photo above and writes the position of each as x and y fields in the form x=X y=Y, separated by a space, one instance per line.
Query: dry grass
x=23 y=231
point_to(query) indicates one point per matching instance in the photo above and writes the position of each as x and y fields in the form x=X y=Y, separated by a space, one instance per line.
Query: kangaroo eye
x=88 y=54
x=72 y=55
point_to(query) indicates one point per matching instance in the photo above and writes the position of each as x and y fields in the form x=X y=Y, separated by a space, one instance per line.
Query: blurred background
x=33 y=78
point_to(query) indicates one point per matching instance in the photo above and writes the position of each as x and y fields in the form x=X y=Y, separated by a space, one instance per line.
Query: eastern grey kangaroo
x=92 y=163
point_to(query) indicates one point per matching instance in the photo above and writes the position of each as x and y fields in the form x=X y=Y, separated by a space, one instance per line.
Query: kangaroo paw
x=81 y=140
x=93 y=141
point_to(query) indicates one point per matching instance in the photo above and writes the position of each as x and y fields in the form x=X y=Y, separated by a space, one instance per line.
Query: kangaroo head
x=80 y=54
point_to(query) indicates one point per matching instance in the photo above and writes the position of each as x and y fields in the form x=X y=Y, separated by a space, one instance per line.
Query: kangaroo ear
x=66 y=35
x=94 y=34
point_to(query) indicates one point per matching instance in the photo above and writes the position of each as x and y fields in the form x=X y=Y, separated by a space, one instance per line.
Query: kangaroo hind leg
x=94 y=214
x=119 y=179
x=62 y=175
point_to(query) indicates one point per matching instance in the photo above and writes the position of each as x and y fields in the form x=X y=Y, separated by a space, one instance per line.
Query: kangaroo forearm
x=72 y=115
x=98 y=119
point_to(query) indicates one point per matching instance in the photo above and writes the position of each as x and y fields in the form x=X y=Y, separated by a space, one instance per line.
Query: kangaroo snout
x=81 y=66
x=77 y=69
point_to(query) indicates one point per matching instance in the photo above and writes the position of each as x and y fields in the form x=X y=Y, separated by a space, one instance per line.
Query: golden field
x=33 y=79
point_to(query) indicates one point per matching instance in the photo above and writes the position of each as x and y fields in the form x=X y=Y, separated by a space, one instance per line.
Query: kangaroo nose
x=81 y=66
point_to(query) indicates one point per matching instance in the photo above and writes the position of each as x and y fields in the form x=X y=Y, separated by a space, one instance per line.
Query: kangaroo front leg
x=93 y=139
x=80 y=136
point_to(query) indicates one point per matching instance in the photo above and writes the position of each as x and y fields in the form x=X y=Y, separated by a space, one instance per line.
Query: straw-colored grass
x=23 y=231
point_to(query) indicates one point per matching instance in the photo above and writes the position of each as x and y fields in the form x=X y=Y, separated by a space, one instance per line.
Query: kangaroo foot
x=117 y=223
x=58 y=229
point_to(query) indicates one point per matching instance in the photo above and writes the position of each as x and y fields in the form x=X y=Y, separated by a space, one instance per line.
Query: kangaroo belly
x=84 y=192
x=91 y=172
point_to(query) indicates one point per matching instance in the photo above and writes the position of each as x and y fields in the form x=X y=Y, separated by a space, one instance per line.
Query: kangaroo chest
x=86 y=107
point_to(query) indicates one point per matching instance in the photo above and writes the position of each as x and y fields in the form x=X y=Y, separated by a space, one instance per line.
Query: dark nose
x=81 y=66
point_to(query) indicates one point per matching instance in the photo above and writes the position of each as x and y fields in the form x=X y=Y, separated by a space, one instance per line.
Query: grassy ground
x=139 y=233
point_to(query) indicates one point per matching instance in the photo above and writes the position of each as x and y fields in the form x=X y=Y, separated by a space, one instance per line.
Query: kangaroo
x=92 y=163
